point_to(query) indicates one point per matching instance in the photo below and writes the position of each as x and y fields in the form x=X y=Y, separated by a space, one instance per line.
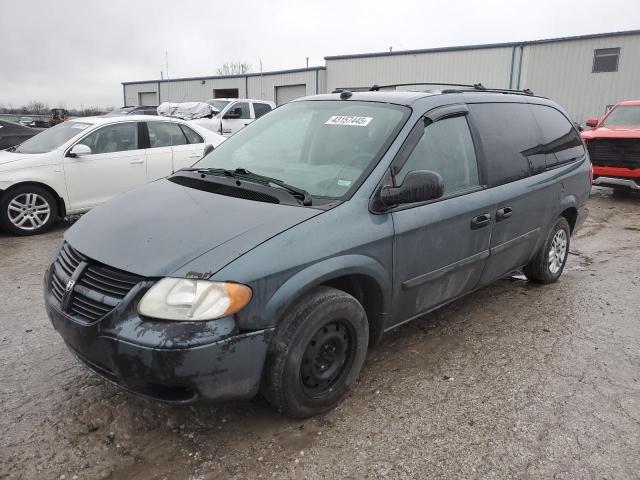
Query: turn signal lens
x=189 y=300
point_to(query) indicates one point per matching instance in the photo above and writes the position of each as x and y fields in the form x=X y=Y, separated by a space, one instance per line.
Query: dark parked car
x=12 y=134
x=140 y=110
x=277 y=259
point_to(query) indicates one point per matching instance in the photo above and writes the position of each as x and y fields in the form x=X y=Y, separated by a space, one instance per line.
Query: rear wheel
x=27 y=210
x=317 y=353
x=549 y=262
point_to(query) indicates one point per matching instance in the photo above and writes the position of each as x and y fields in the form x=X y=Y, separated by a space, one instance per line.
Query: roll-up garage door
x=148 y=99
x=286 y=93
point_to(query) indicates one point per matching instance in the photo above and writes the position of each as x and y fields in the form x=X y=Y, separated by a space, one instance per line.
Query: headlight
x=184 y=299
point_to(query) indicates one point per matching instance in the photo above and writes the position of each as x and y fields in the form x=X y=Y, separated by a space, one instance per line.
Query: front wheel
x=317 y=353
x=549 y=262
x=27 y=210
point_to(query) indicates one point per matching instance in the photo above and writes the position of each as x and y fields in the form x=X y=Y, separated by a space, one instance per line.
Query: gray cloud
x=72 y=52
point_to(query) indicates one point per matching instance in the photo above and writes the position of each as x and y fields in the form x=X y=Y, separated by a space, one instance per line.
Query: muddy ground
x=515 y=381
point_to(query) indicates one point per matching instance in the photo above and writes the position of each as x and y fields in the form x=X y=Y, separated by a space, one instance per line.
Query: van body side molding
x=429 y=277
x=515 y=241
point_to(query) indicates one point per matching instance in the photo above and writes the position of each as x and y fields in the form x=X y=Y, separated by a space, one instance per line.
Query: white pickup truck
x=236 y=113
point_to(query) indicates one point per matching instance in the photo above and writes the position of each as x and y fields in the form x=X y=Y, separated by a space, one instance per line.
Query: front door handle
x=136 y=162
x=480 y=221
x=503 y=213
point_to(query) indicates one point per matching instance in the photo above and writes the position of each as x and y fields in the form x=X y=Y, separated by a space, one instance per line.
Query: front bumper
x=616 y=172
x=177 y=362
x=615 y=182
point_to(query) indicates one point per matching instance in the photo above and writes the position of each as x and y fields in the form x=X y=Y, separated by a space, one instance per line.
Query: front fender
x=267 y=313
x=295 y=287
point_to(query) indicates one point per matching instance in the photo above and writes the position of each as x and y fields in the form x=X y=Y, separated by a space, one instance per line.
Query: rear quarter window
x=261 y=108
x=192 y=136
x=560 y=140
x=510 y=137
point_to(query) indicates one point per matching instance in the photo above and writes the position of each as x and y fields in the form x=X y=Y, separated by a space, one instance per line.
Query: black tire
x=303 y=378
x=36 y=200
x=542 y=269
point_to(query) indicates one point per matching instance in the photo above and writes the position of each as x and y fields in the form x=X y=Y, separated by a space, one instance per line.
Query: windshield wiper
x=261 y=179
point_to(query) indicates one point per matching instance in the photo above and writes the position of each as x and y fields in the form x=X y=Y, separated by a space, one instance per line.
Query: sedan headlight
x=184 y=299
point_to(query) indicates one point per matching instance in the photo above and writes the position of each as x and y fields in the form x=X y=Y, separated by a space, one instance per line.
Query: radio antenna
x=171 y=112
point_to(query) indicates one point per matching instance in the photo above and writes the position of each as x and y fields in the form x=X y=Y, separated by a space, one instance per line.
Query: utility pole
x=261 y=91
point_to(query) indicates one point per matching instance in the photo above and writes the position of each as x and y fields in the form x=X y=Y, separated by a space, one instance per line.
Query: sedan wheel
x=27 y=210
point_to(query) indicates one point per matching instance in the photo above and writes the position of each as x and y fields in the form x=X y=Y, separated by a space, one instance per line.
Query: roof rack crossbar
x=476 y=86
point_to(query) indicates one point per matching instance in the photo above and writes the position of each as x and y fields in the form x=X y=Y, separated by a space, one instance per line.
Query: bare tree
x=91 y=111
x=36 y=107
x=234 y=68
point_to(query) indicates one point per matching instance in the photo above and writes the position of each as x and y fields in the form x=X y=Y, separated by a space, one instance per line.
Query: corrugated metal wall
x=562 y=71
x=198 y=90
x=261 y=87
x=264 y=87
x=490 y=66
x=132 y=92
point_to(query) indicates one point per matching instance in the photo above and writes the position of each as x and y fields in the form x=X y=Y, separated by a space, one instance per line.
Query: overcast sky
x=73 y=52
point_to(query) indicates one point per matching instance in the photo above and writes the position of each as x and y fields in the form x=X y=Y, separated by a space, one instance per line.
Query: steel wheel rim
x=558 y=251
x=327 y=358
x=28 y=211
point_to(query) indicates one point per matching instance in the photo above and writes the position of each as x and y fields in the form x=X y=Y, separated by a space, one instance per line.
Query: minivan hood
x=154 y=230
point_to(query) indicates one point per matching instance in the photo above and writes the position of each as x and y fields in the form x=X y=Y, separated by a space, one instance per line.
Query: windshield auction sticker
x=348 y=120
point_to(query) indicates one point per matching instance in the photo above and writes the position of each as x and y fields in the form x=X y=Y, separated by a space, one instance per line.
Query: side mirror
x=207 y=150
x=418 y=186
x=79 y=150
x=233 y=113
x=591 y=122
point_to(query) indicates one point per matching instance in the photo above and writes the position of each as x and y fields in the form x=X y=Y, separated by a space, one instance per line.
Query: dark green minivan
x=273 y=263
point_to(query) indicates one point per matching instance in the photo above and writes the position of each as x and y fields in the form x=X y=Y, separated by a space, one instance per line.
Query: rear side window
x=261 y=108
x=192 y=136
x=446 y=148
x=165 y=134
x=510 y=139
x=560 y=141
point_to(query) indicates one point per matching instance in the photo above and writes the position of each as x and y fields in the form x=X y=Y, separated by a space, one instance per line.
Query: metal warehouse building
x=280 y=87
x=585 y=74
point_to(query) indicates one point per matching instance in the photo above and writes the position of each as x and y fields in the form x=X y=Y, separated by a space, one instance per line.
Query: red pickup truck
x=614 y=146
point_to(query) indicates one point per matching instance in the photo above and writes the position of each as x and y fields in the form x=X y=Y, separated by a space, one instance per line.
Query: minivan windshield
x=323 y=147
x=624 y=115
x=52 y=138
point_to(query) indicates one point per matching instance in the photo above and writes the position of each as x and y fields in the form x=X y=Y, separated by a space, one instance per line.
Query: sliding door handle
x=503 y=213
x=480 y=221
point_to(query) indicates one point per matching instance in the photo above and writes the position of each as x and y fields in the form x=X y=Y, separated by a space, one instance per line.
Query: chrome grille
x=94 y=289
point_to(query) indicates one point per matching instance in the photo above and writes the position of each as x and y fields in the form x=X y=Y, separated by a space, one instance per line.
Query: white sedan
x=81 y=163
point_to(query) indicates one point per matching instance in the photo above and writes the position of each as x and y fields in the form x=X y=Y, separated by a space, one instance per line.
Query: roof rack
x=476 y=86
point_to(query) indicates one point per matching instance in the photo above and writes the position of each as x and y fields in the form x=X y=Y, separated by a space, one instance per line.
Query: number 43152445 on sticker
x=348 y=120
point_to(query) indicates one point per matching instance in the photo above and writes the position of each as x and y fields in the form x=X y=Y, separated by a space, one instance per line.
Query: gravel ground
x=514 y=381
